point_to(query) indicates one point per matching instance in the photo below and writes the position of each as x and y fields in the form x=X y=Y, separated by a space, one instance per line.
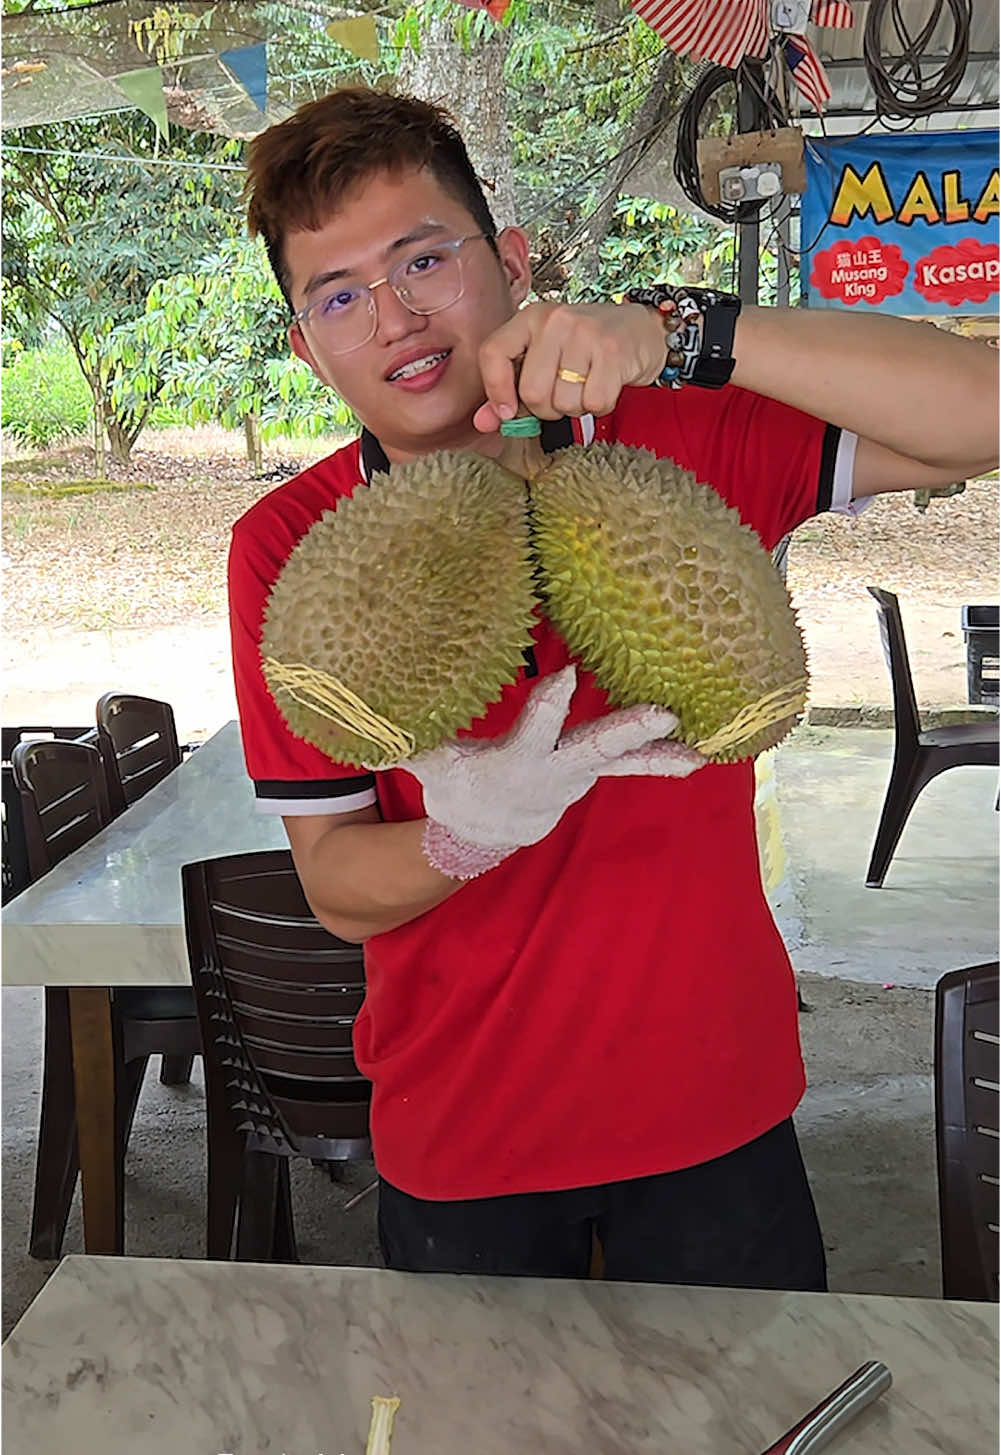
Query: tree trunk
x=662 y=99
x=100 y=454
x=255 y=446
x=119 y=438
x=470 y=86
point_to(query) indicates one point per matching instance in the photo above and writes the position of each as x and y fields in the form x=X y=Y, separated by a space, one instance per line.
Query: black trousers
x=745 y=1220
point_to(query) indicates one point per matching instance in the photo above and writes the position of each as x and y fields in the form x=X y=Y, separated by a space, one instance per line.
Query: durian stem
x=325 y=695
x=755 y=717
x=380 y=1431
x=524 y=457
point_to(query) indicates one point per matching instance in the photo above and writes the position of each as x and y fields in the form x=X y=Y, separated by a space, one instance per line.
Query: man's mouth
x=416 y=367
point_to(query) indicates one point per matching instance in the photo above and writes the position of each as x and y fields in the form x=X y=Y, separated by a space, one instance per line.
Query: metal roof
x=852 y=103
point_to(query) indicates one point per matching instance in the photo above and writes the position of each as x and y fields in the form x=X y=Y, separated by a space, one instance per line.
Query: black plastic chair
x=918 y=756
x=277 y=997
x=63 y=796
x=16 y=874
x=966 y=1130
x=138 y=741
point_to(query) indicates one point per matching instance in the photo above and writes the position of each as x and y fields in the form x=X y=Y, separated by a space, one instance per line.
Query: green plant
x=45 y=396
x=211 y=347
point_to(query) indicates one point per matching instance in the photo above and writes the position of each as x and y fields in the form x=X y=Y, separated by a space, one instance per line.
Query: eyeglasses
x=426 y=282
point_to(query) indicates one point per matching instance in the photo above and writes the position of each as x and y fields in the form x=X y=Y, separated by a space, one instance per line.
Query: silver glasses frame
x=302 y=318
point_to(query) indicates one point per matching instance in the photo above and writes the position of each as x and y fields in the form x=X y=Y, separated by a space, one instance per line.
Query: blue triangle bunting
x=249 y=65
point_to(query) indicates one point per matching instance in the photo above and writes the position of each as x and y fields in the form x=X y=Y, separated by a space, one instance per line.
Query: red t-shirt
x=614 y=1001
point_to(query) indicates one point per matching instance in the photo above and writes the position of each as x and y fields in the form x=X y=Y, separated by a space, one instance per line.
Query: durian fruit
x=399 y=616
x=668 y=598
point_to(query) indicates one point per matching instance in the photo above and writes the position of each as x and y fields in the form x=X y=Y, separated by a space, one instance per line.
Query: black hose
x=903 y=88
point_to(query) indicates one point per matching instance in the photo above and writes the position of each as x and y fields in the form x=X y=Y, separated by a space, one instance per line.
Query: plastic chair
x=16 y=874
x=138 y=741
x=918 y=756
x=277 y=996
x=63 y=796
x=966 y=1130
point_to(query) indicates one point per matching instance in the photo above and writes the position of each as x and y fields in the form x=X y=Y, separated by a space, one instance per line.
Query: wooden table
x=111 y=914
x=119 y=1355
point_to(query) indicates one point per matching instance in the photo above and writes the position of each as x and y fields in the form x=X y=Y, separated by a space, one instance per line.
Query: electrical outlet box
x=781 y=149
x=750 y=184
x=791 y=15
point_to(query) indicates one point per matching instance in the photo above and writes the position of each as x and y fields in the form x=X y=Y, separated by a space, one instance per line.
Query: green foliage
x=45 y=397
x=85 y=237
x=645 y=244
x=211 y=345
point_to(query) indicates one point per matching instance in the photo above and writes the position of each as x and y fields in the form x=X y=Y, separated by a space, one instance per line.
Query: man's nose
x=393 y=318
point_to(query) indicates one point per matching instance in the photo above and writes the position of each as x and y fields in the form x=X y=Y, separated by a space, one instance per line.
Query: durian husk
x=400 y=616
x=667 y=597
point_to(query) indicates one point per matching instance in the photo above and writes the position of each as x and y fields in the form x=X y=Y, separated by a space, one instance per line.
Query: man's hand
x=603 y=347
x=485 y=799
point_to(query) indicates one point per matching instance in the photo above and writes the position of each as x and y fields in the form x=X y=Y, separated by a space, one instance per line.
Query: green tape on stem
x=524 y=426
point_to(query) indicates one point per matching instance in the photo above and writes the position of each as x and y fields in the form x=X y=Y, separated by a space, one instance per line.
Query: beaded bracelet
x=683 y=310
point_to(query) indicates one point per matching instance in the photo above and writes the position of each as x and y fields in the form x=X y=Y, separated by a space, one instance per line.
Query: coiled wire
x=902 y=88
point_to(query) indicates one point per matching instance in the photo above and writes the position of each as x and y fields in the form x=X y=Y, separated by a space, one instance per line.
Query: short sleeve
x=290 y=776
x=773 y=463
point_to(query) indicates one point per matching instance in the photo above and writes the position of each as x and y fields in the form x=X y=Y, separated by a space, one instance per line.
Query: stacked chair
x=277 y=997
x=61 y=791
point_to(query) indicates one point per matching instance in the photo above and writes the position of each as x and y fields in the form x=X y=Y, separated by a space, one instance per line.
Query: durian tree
x=213 y=345
x=91 y=221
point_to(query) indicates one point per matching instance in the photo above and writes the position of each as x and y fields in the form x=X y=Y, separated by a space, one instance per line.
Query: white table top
x=119 y=1355
x=111 y=913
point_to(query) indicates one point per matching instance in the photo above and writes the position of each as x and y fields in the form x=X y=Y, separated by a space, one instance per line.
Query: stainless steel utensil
x=829 y=1417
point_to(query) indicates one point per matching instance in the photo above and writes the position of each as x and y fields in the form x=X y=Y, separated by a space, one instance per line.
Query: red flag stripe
x=809 y=75
x=720 y=30
x=836 y=14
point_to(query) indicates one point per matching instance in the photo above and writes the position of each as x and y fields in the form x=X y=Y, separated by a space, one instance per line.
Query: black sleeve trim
x=314 y=788
x=828 y=459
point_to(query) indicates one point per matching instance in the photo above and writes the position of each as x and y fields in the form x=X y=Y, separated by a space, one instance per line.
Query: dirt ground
x=126 y=588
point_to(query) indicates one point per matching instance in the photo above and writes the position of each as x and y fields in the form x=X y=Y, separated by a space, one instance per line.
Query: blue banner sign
x=906 y=224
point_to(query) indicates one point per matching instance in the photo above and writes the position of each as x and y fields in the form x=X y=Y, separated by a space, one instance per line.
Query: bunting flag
x=358 y=35
x=249 y=64
x=145 y=90
x=723 y=31
x=836 y=14
x=497 y=8
x=807 y=72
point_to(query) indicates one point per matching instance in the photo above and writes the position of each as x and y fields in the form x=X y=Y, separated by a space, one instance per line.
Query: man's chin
x=421 y=432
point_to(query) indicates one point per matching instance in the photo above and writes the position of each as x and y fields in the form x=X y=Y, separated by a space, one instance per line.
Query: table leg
x=94 y=1081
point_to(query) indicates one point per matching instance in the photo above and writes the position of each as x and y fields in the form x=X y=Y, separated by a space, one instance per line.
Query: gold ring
x=571 y=376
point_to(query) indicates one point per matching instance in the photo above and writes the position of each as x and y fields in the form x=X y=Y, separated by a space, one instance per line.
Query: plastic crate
x=980 y=629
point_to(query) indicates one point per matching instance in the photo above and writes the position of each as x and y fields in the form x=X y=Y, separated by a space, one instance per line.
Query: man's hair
x=300 y=170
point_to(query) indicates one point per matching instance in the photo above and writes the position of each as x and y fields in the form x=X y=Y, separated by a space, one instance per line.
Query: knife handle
x=829 y=1417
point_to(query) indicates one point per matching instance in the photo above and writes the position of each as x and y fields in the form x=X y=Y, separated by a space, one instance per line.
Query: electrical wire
x=902 y=88
x=708 y=82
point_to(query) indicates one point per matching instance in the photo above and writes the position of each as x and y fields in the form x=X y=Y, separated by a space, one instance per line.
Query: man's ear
x=512 y=245
x=301 y=349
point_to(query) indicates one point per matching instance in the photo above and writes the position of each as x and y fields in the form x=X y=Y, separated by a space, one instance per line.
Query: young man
x=583 y=1018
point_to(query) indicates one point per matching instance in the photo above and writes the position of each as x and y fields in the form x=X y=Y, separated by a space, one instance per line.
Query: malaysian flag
x=836 y=14
x=807 y=72
x=723 y=31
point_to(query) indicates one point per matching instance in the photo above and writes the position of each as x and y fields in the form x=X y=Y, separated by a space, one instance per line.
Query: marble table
x=111 y=914
x=121 y=1355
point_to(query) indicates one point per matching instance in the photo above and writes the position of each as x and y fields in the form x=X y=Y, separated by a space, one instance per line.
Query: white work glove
x=485 y=799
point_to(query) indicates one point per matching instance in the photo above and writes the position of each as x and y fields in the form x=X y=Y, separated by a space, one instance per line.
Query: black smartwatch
x=715 y=362
x=699 y=325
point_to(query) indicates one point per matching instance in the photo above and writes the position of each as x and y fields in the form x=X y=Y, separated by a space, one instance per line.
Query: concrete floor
x=866 y=1124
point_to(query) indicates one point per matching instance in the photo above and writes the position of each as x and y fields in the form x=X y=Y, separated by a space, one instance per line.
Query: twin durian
x=400 y=616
